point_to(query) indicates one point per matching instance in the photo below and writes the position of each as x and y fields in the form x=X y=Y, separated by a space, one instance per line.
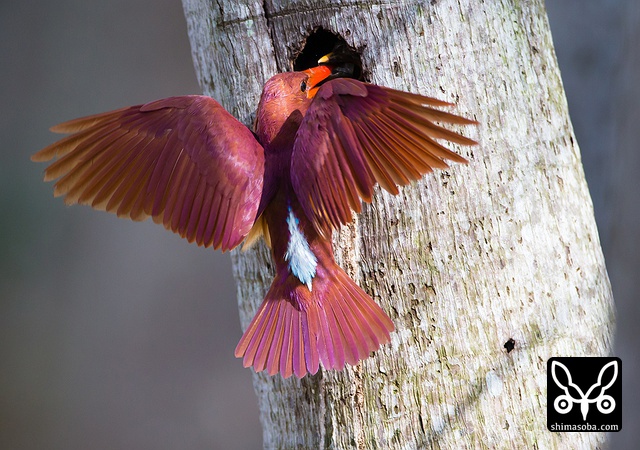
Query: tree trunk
x=463 y=261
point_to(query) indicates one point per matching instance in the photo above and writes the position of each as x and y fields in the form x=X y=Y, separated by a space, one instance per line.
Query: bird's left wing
x=185 y=161
x=355 y=135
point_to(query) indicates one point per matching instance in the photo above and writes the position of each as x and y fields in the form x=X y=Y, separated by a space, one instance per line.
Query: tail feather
x=364 y=336
x=351 y=336
x=299 y=365
x=295 y=329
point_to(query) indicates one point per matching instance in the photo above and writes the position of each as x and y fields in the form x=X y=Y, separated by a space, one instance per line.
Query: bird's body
x=318 y=149
x=304 y=293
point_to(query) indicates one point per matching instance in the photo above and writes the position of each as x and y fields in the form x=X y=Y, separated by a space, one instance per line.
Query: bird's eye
x=303 y=86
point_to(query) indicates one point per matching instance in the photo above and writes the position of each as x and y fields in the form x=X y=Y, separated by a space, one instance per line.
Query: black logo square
x=584 y=394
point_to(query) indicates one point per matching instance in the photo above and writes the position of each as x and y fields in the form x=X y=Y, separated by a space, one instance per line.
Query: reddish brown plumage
x=192 y=167
x=334 y=323
x=368 y=134
x=184 y=161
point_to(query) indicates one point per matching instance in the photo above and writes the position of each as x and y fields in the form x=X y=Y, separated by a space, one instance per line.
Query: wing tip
x=42 y=156
x=61 y=128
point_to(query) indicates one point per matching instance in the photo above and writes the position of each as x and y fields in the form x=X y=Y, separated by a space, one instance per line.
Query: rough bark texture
x=504 y=248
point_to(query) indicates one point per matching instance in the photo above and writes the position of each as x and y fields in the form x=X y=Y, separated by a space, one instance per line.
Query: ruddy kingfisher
x=322 y=141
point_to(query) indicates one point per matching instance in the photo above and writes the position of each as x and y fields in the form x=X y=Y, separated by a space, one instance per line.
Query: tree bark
x=463 y=261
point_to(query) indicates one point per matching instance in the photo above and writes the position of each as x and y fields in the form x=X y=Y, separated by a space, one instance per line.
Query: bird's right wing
x=185 y=161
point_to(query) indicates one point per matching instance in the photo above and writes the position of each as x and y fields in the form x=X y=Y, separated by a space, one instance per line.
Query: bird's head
x=283 y=102
x=342 y=62
x=287 y=96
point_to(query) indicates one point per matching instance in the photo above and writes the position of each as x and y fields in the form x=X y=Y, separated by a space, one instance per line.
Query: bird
x=321 y=142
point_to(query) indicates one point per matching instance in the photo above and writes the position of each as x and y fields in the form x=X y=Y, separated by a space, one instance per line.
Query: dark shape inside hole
x=321 y=42
x=509 y=345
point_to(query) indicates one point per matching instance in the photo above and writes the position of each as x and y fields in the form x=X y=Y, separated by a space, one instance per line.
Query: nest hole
x=319 y=43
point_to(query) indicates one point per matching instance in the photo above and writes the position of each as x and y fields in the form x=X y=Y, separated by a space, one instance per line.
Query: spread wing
x=185 y=161
x=356 y=134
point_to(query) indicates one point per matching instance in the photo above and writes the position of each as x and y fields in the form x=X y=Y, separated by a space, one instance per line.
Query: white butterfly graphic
x=563 y=403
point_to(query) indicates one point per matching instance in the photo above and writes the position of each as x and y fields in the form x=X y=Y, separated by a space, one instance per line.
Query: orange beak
x=317 y=75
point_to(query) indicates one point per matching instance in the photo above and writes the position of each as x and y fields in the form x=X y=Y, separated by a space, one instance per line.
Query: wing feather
x=355 y=135
x=184 y=161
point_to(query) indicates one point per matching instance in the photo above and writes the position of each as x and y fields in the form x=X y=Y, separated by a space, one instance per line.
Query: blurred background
x=118 y=335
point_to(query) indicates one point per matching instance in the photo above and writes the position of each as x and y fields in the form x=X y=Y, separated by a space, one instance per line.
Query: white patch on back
x=302 y=261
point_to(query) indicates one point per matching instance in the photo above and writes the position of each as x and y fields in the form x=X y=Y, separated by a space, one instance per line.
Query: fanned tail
x=296 y=329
